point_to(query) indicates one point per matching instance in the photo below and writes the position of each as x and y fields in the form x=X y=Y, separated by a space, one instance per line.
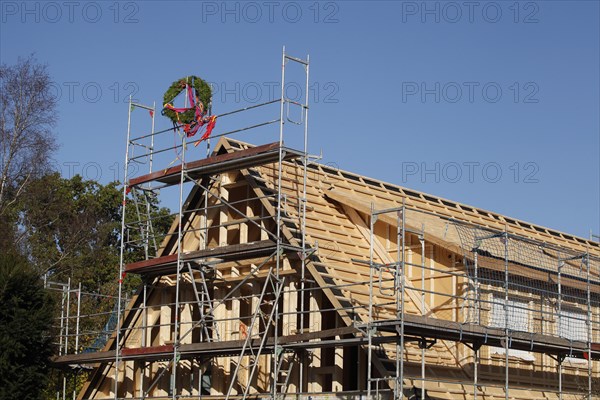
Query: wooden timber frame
x=284 y=278
x=261 y=251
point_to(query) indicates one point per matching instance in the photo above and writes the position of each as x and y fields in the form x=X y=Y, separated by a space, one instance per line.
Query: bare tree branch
x=27 y=115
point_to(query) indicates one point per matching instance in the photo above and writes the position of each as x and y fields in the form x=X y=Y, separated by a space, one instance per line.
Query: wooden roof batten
x=439 y=235
x=462 y=212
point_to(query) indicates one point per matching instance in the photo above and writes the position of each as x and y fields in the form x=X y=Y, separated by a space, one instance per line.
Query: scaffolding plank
x=167 y=264
x=414 y=325
x=148 y=353
x=435 y=328
x=151 y=264
x=217 y=164
x=192 y=350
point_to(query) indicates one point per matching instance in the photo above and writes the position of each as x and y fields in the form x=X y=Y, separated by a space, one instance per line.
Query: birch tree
x=27 y=116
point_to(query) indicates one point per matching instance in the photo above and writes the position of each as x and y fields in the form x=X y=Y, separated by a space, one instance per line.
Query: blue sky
x=490 y=103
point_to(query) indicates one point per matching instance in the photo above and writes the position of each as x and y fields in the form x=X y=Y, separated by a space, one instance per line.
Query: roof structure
x=344 y=249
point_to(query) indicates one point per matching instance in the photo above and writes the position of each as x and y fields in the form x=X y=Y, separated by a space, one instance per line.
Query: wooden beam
x=166 y=265
x=365 y=208
x=216 y=164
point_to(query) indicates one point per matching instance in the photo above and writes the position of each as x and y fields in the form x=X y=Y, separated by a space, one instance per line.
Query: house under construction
x=283 y=278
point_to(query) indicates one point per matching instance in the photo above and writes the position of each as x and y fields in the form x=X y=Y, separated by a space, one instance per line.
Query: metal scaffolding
x=81 y=313
x=263 y=322
x=497 y=296
x=510 y=268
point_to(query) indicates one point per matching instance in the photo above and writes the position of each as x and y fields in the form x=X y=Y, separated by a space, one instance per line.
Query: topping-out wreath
x=195 y=115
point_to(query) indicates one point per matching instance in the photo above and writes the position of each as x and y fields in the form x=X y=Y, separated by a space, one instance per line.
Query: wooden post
x=337 y=380
x=315 y=380
x=218 y=384
x=223 y=216
x=248 y=212
x=165 y=315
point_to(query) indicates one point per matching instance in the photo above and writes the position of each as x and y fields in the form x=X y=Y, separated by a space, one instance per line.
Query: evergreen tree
x=26 y=316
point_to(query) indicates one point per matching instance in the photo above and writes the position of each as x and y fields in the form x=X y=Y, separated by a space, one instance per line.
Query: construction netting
x=530 y=286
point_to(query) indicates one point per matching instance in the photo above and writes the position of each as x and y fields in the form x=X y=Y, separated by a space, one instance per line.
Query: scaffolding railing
x=87 y=320
x=155 y=149
x=506 y=283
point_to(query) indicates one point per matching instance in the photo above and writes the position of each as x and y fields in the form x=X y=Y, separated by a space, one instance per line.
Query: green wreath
x=202 y=92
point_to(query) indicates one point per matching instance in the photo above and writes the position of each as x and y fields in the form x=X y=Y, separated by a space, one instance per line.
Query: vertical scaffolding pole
x=178 y=277
x=506 y=320
x=476 y=306
x=560 y=356
x=402 y=299
x=60 y=336
x=121 y=253
x=67 y=316
x=423 y=343
x=77 y=320
x=303 y=223
x=476 y=302
x=475 y=370
x=399 y=312
x=64 y=391
x=145 y=227
x=61 y=349
x=274 y=360
x=77 y=330
x=589 y=324
x=372 y=220
x=203 y=240
x=144 y=330
x=278 y=284
x=149 y=230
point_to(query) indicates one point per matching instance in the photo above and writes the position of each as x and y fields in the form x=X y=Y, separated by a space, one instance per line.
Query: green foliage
x=26 y=315
x=66 y=228
x=8 y=221
x=71 y=229
x=202 y=92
